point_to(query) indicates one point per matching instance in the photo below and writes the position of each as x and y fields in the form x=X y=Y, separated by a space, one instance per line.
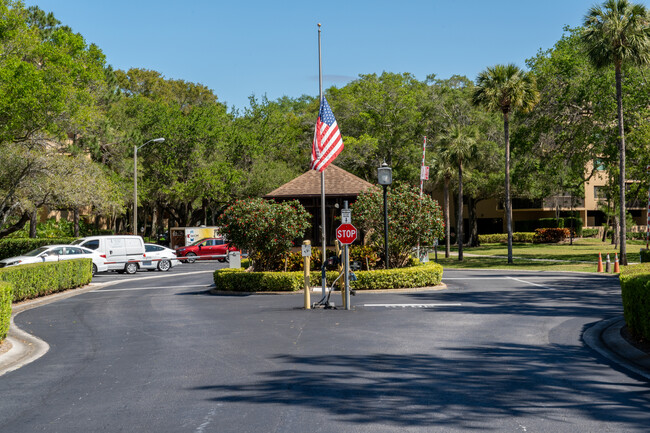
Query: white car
x=55 y=253
x=158 y=257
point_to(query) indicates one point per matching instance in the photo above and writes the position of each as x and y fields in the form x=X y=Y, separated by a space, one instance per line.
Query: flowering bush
x=264 y=228
x=411 y=219
x=550 y=235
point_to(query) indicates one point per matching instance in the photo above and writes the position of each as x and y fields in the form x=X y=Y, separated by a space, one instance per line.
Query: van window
x=93 y=244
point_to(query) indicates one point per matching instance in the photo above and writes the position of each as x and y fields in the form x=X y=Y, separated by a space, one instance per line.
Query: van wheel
x=164 y=265
x=131 y=268
x=191 y=257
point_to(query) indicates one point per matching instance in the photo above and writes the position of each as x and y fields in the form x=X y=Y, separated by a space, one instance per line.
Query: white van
x=124 y=253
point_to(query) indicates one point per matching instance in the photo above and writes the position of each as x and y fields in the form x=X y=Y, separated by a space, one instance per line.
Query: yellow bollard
x=307 y=263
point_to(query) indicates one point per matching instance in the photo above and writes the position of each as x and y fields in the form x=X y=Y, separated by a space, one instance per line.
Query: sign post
x=306 y=254
x=346 y=234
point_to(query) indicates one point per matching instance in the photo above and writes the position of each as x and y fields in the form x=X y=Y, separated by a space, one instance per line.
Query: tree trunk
x=76 y=222
x=508 y=204
x=459 y=220
x=619 y=103
x=446 y=216
x=33 y=220
x=473 y=223
x=154 y=221
x=615 y=234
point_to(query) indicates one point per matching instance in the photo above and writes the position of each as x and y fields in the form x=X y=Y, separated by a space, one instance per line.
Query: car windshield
x=193 y=244
x=36 y=252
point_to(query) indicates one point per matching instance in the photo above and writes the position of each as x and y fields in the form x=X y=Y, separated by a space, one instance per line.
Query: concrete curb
x=441 y=286
x=605 y=338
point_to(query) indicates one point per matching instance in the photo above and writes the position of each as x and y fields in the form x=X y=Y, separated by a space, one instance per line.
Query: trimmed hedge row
x=502 y=238
x=635 y=291
x=15 y=247
x=644 y=255
x=5 y=308
x=39 y=279
x=238 y=280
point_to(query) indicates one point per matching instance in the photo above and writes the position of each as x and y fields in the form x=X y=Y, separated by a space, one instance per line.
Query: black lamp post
x=385 y=178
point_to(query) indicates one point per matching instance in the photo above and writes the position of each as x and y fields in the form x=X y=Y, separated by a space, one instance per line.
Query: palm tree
x=442 y=167
x=615 y=33
x=506 y=88
x=460 y=145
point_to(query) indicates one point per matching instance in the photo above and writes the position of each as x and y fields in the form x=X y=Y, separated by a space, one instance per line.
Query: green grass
x=564 y=257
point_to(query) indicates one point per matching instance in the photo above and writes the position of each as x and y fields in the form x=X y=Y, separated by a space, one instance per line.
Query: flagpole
x=322 y=176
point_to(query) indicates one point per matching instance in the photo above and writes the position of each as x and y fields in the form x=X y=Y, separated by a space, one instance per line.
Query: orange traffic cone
x=600 y=263
x=617 y=268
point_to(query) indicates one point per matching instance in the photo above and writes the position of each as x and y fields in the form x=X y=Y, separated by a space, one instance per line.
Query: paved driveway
x=495 y=351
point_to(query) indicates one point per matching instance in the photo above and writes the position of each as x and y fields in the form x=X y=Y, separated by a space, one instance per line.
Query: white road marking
x=148 y=288
x=411 y=305
x=528 y=282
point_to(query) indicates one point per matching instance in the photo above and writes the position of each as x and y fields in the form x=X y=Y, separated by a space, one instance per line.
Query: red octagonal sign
x=346 y=234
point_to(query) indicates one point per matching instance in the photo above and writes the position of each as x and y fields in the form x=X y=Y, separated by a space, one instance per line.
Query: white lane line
x=528 y=282
x=411 y=305
x=476 y=278
x=148 y=288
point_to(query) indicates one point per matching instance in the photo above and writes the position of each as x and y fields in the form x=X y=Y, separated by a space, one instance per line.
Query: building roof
x=338 y=182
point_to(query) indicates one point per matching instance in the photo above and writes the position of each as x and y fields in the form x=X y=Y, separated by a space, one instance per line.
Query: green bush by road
x=635 y=291
x=39 y=279
x=5 y=308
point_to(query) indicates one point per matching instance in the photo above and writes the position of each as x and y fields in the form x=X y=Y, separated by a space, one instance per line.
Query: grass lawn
x=557 y=257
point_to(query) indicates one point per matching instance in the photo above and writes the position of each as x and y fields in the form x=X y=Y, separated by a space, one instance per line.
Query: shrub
x=635 y=292
x=38 y=279
x=589 y=233
x=551 y=235
x=644 y=255
x=6 y=297
x=551 y=223
x=264 y=228
x=237 y=280
x=577 y=225
x=10 y=247
x=519 y=237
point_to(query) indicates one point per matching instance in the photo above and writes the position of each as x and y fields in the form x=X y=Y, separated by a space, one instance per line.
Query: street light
x=135 y=181
x=385 y=178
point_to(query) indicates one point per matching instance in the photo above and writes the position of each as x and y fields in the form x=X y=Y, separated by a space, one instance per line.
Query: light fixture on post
x=385 y=178
x=135 y=181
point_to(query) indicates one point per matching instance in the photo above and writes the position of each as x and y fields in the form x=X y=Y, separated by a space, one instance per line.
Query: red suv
x=206 y=247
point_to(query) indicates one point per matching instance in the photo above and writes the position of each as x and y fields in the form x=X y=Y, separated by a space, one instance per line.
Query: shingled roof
x=338 y=182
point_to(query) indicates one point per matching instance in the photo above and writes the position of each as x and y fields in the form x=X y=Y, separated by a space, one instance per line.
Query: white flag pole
x=322 y=176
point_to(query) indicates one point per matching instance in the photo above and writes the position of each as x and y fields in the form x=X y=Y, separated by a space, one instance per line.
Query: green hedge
x=16 y=247
x=238 y=280
x=635 y=291
x=644 y=255
x=589 y=233
x=502 y=238
x=5 y=308
x=39 y=279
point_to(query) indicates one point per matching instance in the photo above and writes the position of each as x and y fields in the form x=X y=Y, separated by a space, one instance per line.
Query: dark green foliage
x=589 y=233
x=5 y=308
x=365 y=255
x=39 y=279
x=644 y=255
x=502 y=238
x=551 y=223
x=576 y=227
x=11 y=247
x=551 y=235
x=237 y=280
x=635 y=291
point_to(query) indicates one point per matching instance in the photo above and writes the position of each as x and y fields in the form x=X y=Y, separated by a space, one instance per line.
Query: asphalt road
x=493 y=352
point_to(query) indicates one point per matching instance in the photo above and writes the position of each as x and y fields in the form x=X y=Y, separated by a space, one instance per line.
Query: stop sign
x=346 y=234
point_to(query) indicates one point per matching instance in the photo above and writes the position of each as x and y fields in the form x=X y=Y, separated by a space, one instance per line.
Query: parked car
x=55 y=253
x=206 y=249
x=162 y=258
x=124 y=253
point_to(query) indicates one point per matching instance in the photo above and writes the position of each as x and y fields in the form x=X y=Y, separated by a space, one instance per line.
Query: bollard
x=608 y=265
x=600 y=263
x=307 y=260
x=617 y=269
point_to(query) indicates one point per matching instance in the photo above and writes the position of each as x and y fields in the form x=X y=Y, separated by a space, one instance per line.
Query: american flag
x=327 y=139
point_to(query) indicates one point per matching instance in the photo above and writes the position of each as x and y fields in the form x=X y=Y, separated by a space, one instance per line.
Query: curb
x=605 y=338
x=441 y=286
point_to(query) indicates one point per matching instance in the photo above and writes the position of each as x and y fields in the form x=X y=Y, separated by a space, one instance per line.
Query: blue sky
x=239 y=48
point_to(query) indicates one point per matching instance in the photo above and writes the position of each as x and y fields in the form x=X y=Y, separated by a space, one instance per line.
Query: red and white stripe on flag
x=328 y=142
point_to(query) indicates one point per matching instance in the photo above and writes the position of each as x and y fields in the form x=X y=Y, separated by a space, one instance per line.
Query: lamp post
x=385 y=178
x=135 y=181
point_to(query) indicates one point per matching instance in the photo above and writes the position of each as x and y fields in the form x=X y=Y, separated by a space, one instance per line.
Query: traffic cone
x=617 y=268
x=600 y=263
x=608 y=265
